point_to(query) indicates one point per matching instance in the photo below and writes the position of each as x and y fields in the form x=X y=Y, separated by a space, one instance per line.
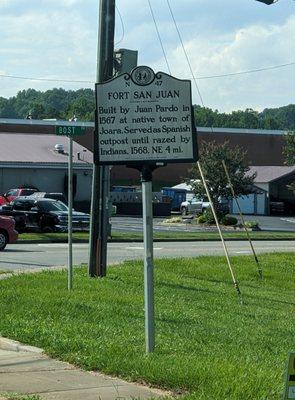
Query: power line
x=185 y=53
x=159 y=36
x=251 y=71
x=123 y=27
x=247 y=72
x=44 y=79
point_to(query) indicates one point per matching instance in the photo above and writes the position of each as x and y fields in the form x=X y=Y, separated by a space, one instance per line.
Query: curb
x=13 y=345
x=28 y=241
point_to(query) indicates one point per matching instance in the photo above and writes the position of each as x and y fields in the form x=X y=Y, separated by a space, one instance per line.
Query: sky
x=57 y=39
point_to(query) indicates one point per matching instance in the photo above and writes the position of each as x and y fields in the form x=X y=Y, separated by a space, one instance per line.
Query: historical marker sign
x=145 y=117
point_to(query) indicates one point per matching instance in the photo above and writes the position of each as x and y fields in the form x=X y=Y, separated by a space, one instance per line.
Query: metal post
x=236 y=285
x=242 y=218
x=105 y=54
x=147 y=205
x=70 y=215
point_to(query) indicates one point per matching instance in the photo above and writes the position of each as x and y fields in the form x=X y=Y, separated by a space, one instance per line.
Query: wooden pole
x=242 y=218
x=236 y=285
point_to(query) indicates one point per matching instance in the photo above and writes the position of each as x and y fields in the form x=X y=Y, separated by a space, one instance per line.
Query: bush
x=252 y=225
x=201 y=219
x=228 y=220
x=172 y=220
x=209 y=217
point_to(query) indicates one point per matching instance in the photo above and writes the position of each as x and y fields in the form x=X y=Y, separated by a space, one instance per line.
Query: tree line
x=63 y=104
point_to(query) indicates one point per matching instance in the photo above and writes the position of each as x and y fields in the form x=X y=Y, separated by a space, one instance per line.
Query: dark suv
x=48 y=215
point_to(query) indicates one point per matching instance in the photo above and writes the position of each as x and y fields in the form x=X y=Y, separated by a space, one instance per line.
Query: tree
x=289 y=148
x=210 y=157
x=289 y=153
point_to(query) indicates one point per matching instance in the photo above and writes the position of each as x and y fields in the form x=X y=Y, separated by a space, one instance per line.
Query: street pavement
x=35 y=256
x=268 y=223
x=31 y=372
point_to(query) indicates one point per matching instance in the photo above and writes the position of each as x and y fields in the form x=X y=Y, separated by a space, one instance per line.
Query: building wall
x=261 y=147
x=46 y=180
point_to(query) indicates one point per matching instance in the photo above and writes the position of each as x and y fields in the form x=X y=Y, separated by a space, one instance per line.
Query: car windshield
x=52 y=206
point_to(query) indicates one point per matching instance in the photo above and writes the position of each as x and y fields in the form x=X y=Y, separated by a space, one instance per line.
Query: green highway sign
x=70 y=130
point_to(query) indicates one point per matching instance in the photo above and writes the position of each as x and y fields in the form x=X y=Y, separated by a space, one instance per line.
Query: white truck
x=192 y=205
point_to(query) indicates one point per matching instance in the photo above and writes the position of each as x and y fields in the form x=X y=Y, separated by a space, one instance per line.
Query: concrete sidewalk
x=26 y=370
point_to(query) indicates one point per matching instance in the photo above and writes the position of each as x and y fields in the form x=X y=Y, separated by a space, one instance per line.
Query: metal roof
x=267 y=174
x=39 y=149
x=91 y=124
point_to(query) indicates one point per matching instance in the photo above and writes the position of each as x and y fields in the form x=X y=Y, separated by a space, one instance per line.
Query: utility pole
x=99 y=209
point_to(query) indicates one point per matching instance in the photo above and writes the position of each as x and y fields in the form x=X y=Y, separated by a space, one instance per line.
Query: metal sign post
x=70 y=216
x=147 y=206
x=70 y=131
x=145 y=120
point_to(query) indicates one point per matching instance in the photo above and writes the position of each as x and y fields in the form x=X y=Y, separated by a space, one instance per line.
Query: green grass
x=10 y=396
x=208 y=346
x=129 y=236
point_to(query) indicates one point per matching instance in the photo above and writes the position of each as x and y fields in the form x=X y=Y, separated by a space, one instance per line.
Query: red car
x=7 y=232
x=13 y=193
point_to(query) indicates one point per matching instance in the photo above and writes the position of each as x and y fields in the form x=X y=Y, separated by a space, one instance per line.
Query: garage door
x=247 y=204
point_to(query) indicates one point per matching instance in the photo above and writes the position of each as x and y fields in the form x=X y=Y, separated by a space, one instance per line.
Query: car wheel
x=3 y=240
x=183 y=211
x=47 y=229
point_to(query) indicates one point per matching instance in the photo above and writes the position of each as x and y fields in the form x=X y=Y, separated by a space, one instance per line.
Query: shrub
x=201 y=219
x=252 y=224
x=208 y=215
x=228 y=220
x=172 y=220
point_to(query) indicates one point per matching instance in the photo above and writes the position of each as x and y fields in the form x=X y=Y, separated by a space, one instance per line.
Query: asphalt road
x=279 y=223
x=31 y=256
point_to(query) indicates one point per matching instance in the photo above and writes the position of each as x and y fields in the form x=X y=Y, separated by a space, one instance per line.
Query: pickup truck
x=194 y=206
x=11 y=194
x=46 y=215
x=7 y=232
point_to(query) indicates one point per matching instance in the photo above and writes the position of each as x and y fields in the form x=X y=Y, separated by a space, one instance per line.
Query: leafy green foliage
x=271 y=118
x=211 y=156
x=63 y=104
x=252 y=224
x=201 y=219
x=289 y=148
x=227 y=220
x=54 y=103
x=208 y=346
x=289 y=153
x=208 y=216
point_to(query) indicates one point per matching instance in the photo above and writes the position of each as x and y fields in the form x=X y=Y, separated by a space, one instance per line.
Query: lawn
x=208 y=346
x=137 y=236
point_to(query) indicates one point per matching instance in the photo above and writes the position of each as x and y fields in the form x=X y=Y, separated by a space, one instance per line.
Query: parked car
x=194 y=206
x=19 y=217
x=47 y=195
x=48 y=215
x=197 y=206
x=11 y=194
x=7 y=232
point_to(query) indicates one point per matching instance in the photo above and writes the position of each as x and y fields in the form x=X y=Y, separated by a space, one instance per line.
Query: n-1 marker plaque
x=144 y=117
